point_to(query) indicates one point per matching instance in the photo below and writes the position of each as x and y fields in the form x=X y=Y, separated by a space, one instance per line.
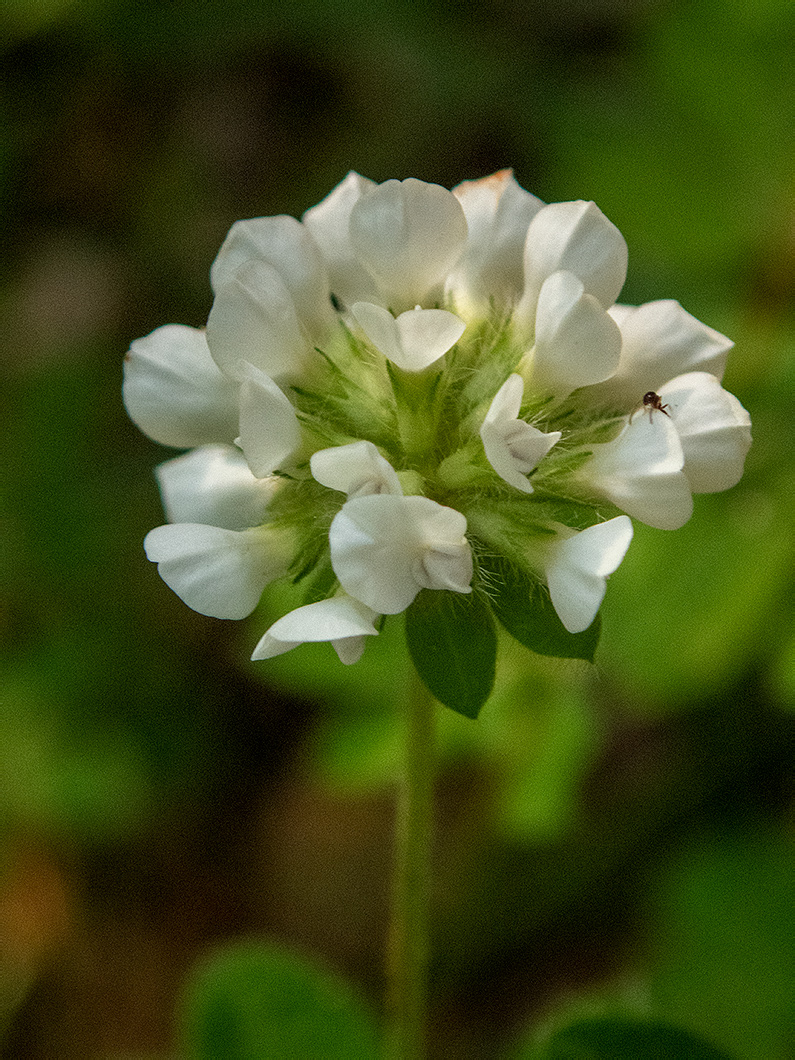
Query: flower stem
x=416 y=404
x=408 y=939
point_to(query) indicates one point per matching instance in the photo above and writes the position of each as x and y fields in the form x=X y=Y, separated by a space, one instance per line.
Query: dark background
x=618 y=832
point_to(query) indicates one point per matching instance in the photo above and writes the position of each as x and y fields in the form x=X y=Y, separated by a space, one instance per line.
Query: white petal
x=408 y=234
x=269 y=429
x=621 y=313
x=713 y=427
x=507 y=401
x=284 y=244
x=214 y=485
x=343 y=621
x=253 y=319
x=445 y=567
x=217 y=572
x=498 y=212
x=357 y=469
x=175 y=392
x=415 y=339
x=426 y=335
x=576 y=342
x=384 y=549
x=640 y=471
x=577 y=567
x=660 y=340
x=574 y=237
x=380 y=327
x=513 y=447
x=329 y=225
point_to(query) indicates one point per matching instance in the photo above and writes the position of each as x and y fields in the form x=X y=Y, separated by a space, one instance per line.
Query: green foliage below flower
x=257 y=1002
x=453 y=645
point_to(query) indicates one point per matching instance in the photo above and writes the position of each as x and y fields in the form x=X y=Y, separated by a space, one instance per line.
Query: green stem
x=408 y=940
x=417 y=412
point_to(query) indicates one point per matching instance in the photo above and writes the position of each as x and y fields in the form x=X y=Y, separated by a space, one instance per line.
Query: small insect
x=654 y=403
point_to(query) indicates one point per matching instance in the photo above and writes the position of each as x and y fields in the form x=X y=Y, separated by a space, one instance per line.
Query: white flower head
x=410 y=401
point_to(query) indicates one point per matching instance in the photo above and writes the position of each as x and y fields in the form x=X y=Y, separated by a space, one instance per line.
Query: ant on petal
x=654 y=403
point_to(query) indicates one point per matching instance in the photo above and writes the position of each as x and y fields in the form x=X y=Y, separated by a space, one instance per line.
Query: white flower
x=660 y=340
x=577 y=566
x=573 y=237
x=713 y=427
x=174 y=391
x=214 y=485
x=415 y=339
x=576 y=342
x=269 y=429
x=408 y=235
x=498 y=212
x=220 y=573
x=288 y=248
x=384 y=549
x=253 y=321
x=357 y=469
x=641 y=472
x=513 y=447
x=329 y=224
x=342 y=620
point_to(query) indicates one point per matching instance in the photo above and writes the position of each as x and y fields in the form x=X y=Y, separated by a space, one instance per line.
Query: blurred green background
x=617 y=834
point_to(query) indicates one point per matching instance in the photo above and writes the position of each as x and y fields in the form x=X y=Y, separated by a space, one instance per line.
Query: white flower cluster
x=409 y=379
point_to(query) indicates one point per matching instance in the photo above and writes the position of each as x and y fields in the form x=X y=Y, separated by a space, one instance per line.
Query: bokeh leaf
x=256 y=1002
x=610 y=1037
x=725 y=943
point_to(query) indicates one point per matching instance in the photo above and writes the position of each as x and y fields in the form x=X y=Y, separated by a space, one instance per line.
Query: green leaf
x=611 y=1037
x=256 y=1002
x=526 y=611
x=453 y=644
